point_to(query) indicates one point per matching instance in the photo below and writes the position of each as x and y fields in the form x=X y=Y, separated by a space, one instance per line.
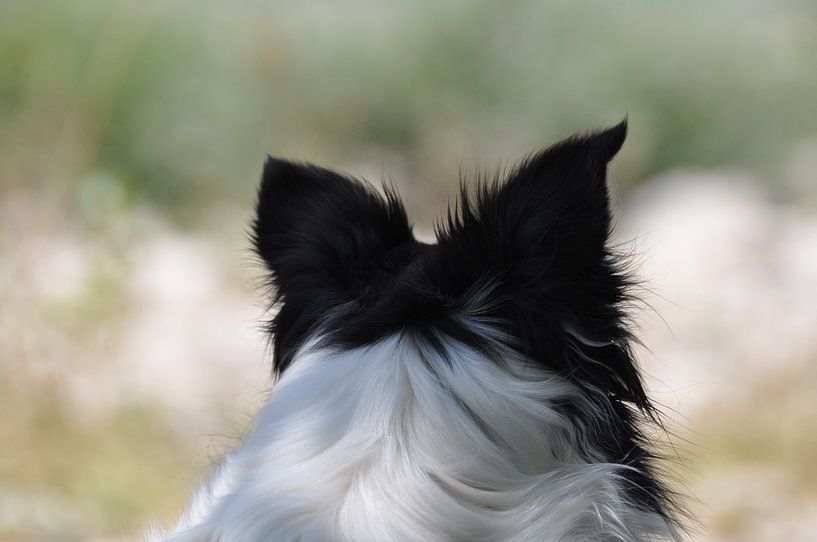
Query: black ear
x=315 y=230
x=540 y=241
x=549 y=219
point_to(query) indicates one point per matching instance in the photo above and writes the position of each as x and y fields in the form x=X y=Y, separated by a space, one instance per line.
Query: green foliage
x=180 y=100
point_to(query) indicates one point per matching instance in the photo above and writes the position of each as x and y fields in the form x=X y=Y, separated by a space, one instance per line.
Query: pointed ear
x=549 y=220
x=538 y=244
x=315 y=228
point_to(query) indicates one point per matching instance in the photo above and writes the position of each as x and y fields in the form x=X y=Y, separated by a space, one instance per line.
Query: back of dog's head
x=522 y=262
x=527 y=253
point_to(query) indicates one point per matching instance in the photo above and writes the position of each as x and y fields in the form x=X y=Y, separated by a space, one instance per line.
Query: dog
x=480 y=388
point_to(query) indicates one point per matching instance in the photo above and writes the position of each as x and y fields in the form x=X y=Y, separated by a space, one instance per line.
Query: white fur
x=392 y=442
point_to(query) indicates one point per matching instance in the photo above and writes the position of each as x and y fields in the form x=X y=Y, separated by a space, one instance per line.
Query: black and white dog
x=480 y=388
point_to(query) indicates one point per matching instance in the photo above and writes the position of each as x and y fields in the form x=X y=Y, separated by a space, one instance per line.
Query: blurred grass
x=62 y=480
x=751 y=455
x=781 y=433
x=178 y=101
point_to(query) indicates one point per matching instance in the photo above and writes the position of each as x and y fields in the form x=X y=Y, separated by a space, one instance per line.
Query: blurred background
x=132 y=134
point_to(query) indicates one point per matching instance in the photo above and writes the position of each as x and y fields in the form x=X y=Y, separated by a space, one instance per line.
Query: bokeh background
x=132 y=134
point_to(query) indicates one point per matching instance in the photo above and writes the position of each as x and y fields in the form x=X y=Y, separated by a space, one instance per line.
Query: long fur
x=480 y=388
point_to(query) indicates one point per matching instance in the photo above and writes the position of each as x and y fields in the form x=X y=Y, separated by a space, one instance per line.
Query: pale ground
x=130 y=355
x=733 y=347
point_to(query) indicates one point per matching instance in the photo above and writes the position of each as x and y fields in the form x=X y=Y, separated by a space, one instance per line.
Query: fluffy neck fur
x=397 y=441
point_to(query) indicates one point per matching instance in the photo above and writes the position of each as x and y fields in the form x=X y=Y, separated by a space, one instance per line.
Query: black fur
x=343 y=260
x=326 y=239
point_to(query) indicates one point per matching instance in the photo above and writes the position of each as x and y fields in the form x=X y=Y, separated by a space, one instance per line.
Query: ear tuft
x=608 y=142
x=583 y=152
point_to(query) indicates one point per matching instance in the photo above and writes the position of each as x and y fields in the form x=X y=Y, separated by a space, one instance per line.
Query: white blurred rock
x=734 y=277
x=193 y=339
